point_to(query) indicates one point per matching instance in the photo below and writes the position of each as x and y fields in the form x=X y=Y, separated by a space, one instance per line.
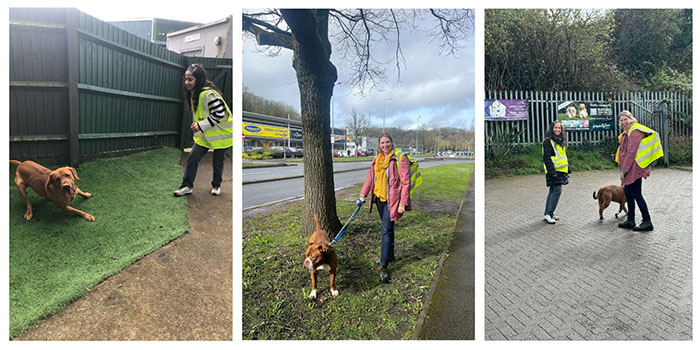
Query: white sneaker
x=215 y=191
x=549 y=219
x=556 y=218
x=183 y=191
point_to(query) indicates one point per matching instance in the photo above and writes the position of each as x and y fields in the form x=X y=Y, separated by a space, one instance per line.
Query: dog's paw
x=89 y=217
x=334 y=292
x=28 y=215
x=312 y=295
x=87 y=195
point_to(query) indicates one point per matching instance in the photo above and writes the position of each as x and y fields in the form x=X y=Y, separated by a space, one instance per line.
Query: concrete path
x=450 y=314
x=182 y=291
x=582 y=278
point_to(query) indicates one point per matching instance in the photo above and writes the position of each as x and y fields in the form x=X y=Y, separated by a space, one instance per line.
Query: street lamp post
x=417 y=125
x=384 y=114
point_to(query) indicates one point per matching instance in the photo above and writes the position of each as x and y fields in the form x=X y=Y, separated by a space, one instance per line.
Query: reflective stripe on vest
x=559 y=159
x=414 y=172
x=221 y=136
x=649 y=149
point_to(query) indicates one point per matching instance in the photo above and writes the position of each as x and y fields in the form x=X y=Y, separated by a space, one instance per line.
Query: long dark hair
x=550 y=133
x=200 y=76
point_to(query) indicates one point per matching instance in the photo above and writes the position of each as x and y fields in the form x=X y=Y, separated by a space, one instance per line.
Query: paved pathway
x=583 y=278
x=450 y=314
x=182 y=291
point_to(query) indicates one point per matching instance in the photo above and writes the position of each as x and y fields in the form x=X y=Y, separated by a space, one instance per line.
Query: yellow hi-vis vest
x=649 y=149
x=414 y=171
x=221 y=136
x=561 y=163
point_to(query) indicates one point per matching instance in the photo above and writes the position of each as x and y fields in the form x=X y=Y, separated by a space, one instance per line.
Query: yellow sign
x=265 y=131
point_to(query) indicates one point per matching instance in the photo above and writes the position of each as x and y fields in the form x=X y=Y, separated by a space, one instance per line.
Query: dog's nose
x=66 y=187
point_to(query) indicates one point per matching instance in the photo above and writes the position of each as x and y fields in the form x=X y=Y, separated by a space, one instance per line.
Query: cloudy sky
x=438 y=88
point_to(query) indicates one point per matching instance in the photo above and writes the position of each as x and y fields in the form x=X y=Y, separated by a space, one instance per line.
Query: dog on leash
x=320 y=256
x=57 y=186
x=610 y=193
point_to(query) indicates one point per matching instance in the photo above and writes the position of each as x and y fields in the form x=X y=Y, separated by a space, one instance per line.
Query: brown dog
x=57 y=186
x=610 y=193
x=320 y=256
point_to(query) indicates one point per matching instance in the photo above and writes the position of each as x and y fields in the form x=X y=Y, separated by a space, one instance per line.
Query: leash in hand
x=342 y=230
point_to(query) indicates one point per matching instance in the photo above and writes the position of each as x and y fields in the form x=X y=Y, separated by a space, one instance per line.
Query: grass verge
x=57 y=257
x=529 y=161
x=276 y=286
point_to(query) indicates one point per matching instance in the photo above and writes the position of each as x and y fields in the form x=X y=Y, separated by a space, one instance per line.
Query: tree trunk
x=316 y=76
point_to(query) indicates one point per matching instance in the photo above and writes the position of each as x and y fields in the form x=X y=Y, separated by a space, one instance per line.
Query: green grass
x=276 y=286
x=528 y=161
x=57 y=257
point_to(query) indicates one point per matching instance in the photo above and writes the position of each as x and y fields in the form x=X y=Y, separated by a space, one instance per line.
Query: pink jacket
x=398 y=186
x=628 y=151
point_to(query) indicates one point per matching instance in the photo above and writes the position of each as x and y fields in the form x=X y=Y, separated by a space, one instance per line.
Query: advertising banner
x=265 y=131
x=506 y=110
x=586 y=116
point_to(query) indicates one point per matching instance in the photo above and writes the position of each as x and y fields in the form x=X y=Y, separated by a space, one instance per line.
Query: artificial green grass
x=57 y=257
x=276 y=286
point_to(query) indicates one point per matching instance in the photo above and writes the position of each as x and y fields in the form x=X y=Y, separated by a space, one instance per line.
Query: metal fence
x=81 y=88
x=542 y=106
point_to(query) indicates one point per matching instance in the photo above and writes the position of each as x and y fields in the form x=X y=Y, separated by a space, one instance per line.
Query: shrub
x=680 y=150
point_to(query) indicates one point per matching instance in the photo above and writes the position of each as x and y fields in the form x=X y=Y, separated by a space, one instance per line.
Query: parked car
x=361 y=154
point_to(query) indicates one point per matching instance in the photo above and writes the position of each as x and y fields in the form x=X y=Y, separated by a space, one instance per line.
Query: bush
x=262 y=153
x=680 y=150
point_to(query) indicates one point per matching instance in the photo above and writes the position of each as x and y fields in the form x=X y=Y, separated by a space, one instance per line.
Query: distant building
x=266 y=131
x=154 y=30
x=204 y=40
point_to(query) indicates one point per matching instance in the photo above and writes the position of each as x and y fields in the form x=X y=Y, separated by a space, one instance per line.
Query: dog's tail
x=318 y=224
x=15 y=162
x=594 y=197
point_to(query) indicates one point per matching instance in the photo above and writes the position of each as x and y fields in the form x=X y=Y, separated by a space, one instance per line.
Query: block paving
x=582 y=278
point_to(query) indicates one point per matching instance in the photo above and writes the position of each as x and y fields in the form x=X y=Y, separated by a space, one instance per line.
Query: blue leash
x=342 y=230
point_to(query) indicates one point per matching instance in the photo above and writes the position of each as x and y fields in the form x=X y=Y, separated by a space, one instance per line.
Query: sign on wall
x=586 y=116
x=265 y=131
x=506 y=110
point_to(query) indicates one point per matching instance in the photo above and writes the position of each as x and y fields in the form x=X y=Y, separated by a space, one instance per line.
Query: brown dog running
x=610 y=193
x=320 y=256
x=57 y=186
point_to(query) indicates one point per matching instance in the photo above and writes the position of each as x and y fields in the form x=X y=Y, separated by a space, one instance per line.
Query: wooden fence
x=542 y=106
x=81 y=88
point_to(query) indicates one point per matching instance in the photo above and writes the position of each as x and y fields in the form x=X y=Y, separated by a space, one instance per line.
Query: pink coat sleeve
x=369 y=182
x=405 y=176
x=631 y=150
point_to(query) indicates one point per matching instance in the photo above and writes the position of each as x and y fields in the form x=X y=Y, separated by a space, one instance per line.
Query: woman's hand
x=622 y=177
x=402 y=209
x=362 y=198
x=194 y=127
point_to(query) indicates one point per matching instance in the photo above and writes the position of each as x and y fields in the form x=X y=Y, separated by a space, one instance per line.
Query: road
x=262 y=193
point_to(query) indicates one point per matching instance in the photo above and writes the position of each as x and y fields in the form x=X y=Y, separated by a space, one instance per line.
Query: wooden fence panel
x=81 y=88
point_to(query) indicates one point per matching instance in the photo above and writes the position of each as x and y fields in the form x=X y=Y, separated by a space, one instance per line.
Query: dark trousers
x=387 y=233
x=196 y=155
x=552 y=199
x=633 y=193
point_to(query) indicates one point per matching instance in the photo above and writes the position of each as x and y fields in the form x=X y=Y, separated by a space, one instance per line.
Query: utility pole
x=384 y=114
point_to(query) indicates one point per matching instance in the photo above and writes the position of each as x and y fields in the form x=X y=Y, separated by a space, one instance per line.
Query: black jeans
x=633 y=193
x=387 y=232
x=196 y=155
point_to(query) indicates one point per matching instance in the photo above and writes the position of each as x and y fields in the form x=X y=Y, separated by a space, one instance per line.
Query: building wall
x=206 y=40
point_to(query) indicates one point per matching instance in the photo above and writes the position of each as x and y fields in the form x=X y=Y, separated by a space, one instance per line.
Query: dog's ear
x=323 y=248
x=75 y=174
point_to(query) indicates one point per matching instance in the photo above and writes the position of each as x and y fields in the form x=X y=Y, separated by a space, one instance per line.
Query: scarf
x=380 y=183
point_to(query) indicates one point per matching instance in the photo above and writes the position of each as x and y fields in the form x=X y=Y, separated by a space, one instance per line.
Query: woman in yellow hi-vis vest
x=212 y=127
x=556 y=167
x=639 y=147
x=388 y=185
